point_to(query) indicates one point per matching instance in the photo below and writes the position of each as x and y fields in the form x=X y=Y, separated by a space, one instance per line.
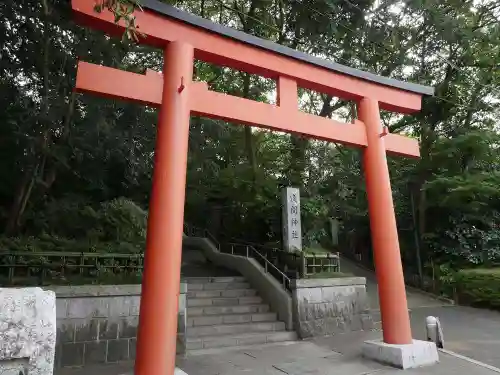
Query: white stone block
x=28 y=329
x=417 y=354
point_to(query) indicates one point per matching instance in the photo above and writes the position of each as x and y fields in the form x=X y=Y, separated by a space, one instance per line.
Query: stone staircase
x=225 y=312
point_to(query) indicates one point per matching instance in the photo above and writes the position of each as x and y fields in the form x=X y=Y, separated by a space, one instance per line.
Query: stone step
x=206 y=342
x=239 y=348
x=221 y=293
x=195 y=321
x=230 y=329
x=220 y=301
x=217 y=286
x=219 y=310
x=205 y=280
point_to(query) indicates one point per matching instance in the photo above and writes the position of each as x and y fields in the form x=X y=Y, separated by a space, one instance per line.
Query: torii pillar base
x=406 y=356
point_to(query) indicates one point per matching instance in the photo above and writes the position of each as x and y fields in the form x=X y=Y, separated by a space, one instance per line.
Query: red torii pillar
x=183 y=38
x=162 y=264
x=385 y=242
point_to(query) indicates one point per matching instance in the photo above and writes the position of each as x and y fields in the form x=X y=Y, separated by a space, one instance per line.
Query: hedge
x=479 y=287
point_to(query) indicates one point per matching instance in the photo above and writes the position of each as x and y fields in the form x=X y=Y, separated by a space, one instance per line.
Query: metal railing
x=248 y=251
x=18 y=268
x=24 y=267
x=299 y=264
x=320 y=263
x=282 y=265
x=251 y=252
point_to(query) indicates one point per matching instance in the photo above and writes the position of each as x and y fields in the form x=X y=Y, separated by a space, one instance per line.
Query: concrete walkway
x=471 y=332
x=311 y=358
x=474 y=333
x=298 y=358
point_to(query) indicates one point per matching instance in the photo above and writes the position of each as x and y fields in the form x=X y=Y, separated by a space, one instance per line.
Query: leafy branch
x=123 y=9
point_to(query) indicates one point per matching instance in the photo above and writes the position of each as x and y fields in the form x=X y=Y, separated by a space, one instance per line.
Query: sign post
x=292 y=229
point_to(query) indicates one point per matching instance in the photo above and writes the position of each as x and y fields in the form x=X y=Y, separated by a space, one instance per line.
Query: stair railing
x=299 y=265
x=250 y=251
x=245 y=250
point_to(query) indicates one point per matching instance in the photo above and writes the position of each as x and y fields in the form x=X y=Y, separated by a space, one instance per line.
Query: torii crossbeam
x=184 y=37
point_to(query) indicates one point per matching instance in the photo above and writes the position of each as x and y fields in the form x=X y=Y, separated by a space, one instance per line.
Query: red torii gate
x=184 y=37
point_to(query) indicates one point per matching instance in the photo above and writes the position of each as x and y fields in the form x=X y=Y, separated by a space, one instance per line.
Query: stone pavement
x=472 y=332
x=468 y=331
x=297 y=358
x=311 y=358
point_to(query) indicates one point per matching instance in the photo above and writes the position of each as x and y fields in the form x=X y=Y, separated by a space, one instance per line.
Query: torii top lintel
x=225 y=46
x=162 y=24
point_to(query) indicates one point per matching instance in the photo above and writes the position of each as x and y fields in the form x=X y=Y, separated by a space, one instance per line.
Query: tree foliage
x=79 y=167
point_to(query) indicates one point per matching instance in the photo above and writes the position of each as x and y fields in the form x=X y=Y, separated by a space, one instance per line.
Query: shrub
x=118 y=220
x=122 y=220
x=479 y=287
x=70 y=217
x=41 y=263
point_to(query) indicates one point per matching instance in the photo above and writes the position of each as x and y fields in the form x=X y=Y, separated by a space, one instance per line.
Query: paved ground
x=313 y=358
x=300 y=358
x=471 y=332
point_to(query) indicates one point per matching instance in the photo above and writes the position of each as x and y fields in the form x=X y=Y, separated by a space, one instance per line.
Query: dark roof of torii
x=228 y=32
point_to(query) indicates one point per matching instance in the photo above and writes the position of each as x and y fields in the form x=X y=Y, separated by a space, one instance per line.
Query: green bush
x=118 y=220
x=479 y=287
x=70 y=217
x=123 y=220
x=47 y=260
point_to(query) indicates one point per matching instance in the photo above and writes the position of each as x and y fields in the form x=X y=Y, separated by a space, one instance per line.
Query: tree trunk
x=23 y=192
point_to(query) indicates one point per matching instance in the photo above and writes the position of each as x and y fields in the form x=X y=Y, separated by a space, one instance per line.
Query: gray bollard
x=434 y=331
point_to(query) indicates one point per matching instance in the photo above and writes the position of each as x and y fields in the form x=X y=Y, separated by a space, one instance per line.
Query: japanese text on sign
x=292 y=235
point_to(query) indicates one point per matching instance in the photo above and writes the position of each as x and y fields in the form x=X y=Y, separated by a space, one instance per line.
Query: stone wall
x=325 y=307
x=27 y=331
x=98 y=324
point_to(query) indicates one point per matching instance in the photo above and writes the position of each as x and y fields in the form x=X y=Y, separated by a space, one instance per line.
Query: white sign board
x=292 y=233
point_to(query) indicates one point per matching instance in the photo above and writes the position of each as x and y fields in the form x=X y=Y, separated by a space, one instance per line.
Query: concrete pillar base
x=417 y=354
